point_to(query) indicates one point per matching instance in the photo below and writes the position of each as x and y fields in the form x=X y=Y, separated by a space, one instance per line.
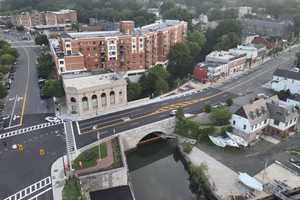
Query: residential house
x=286 y=80
x=264 y=116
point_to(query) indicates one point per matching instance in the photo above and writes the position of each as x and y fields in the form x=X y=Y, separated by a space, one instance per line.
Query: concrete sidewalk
x=58 y=177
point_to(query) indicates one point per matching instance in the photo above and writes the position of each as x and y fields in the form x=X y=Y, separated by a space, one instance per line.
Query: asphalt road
x=24 y=95
x=20 y=169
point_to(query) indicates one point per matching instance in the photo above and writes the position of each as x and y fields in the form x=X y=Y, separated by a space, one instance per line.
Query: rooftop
x=87 y=80
x=224 y=55
x=64 y=11
x=157 y=26
x=116 y=193
x=287 y=74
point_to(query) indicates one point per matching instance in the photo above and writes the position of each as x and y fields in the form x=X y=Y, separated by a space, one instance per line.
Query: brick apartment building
x=128 y=49
x=36 y=18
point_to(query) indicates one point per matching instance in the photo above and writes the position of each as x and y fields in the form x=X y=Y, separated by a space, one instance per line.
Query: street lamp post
x=99 y=150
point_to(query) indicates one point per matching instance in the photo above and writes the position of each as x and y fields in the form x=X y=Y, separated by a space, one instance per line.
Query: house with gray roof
x=286 y=80
x=264 y=116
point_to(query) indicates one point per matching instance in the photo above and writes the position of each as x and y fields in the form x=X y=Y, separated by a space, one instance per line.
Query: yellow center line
x=151 y=114
x=26 y=87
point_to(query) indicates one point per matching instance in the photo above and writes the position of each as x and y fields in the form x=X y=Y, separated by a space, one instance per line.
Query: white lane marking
x=27 y=129
x=13 y=110
x=30 y=189
x=41 y=193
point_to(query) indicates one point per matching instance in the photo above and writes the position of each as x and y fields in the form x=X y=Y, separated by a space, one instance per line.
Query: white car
x=53 y=119
x=173 y=112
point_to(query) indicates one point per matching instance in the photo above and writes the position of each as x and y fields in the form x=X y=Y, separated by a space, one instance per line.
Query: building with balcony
x=127 y=49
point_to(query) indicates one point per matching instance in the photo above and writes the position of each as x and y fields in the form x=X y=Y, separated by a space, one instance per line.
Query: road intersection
x=20 y=170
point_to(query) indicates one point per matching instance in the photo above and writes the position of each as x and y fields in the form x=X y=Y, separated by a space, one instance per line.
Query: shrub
x=207 y=108
x=229 y=102
x=187 y=147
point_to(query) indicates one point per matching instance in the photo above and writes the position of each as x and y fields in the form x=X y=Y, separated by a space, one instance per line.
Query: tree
x=228 y=41
x=229 y=102
x=75 y=26
x=45 y=65
x=199 y=180
x=155 y=81
x=180 y=61
x=221 y=116
x=53 y=88
x=207 y=108
x=3 y=91
x=41 y=39
x=7 y=59
x=134 y=91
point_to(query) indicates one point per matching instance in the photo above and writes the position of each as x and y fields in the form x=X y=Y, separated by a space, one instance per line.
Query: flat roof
x=86 y=80
x=117 y=193
x=287 y=74
x=94 y=34
x=159 y=25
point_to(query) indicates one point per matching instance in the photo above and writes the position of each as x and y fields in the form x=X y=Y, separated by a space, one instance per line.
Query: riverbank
x=223 y=180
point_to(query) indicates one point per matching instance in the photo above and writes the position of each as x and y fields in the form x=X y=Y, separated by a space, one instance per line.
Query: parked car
x=173 y=112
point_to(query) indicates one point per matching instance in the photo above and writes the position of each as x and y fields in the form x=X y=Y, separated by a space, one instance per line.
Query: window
x=265 y=122
x=103 y=100
x=94 y=101
x=286 y=124
x=233 y=122
x=276 y=122
x=61 y=62
x=245 y=126
x=85 y=104
x=295 y=119
x=112 y=97
x=121 y=96
x=68 y=45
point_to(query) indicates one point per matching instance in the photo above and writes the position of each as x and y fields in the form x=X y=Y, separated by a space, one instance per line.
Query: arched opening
x=85 y=104
x=94 y=101
x=120 y=96
x=112 y=97
x=73 y=105
x=154 y=137
x=103 y=100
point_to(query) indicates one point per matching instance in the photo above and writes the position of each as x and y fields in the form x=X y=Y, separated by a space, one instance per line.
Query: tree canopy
x=53 y=88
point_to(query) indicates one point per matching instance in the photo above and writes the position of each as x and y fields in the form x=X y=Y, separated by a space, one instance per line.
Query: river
x=157 y=173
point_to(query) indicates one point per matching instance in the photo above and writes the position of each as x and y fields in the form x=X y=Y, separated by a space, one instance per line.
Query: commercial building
x=254 y=53
x=200 y=73
x=235 y=61
x=264 y=116
x=49 y=18
x=90 y=94
x=286 y=80
x=128 y=49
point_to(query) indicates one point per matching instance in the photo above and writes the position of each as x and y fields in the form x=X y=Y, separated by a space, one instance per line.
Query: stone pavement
x=224 y=180
x=58 y=177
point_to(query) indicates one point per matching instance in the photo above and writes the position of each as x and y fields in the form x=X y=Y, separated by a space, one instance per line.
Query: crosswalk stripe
x=28 y=129
x=31 y=189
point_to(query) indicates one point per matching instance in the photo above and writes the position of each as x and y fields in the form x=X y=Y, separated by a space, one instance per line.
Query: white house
x=286 y=80
x=294 y=100
x=264 y=116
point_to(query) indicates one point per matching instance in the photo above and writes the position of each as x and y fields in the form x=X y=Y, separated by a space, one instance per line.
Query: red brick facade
x=129 y=49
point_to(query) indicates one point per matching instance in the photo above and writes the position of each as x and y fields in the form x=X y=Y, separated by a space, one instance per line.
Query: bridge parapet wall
x=132 y=137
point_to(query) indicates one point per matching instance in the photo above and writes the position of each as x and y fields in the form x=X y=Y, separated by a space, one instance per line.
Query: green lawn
x=89 y=158
x=71 y=190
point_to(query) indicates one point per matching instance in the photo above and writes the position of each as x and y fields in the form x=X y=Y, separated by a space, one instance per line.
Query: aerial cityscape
x=149 y=99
